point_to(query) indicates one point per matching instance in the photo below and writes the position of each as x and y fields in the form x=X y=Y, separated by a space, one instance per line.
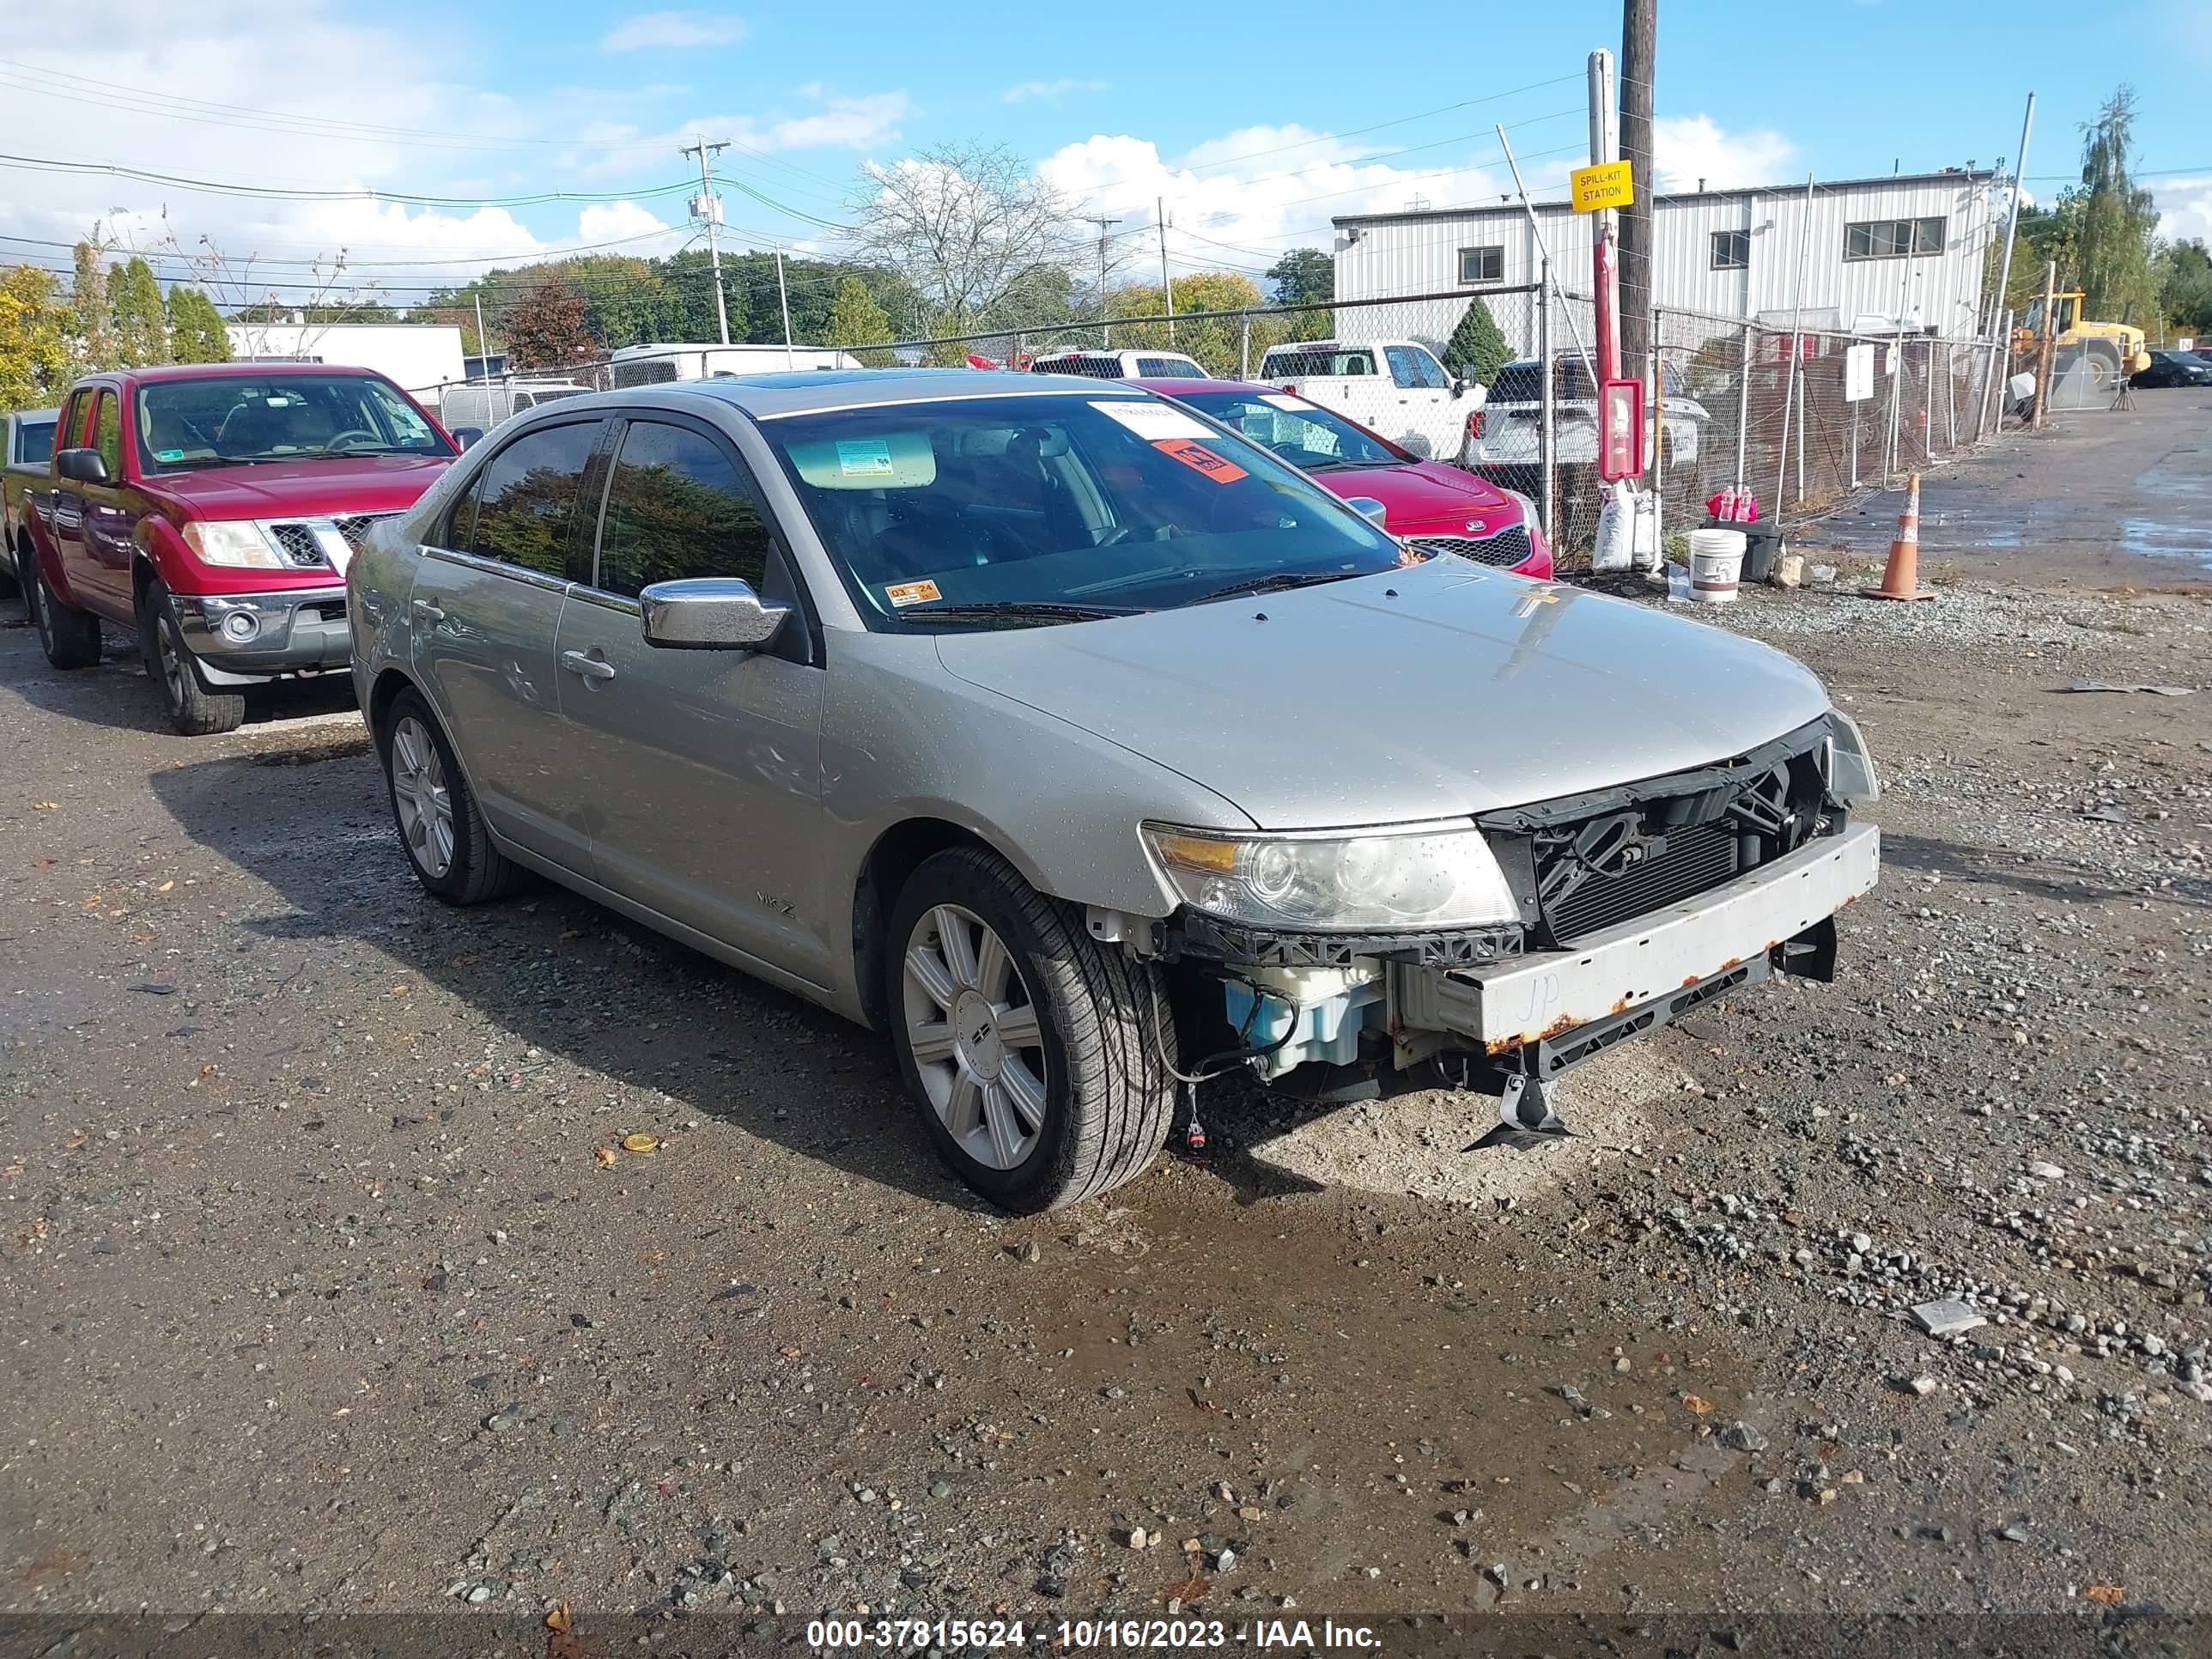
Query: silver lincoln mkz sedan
x=1087 y=751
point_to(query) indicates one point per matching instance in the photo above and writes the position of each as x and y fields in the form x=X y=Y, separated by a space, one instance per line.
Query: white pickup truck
x=1396 y=388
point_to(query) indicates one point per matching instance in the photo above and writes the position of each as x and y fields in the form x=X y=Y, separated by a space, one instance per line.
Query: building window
x=1731 y=250
x=1482 y=265
x=1892 y=239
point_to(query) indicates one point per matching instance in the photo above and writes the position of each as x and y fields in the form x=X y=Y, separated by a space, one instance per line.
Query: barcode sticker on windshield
x=1199 y=458
x=1149 y=420
x=864 y=457
x=1297 y=406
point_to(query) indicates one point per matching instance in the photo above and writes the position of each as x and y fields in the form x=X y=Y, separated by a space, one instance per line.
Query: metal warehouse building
x=1877 y=254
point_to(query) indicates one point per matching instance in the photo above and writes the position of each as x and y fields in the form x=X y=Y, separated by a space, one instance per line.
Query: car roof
x=808 y=391
x=1176 y=385
x=222 y=371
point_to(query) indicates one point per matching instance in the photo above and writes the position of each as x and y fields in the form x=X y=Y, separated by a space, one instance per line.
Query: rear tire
x=193 y=708
x=440 y=824
x=1039 y=1058
x=70 y=637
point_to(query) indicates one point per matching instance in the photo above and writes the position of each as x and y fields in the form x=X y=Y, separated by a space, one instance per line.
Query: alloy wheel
x=975 y=1033
x=422 y=797
x=167 y=659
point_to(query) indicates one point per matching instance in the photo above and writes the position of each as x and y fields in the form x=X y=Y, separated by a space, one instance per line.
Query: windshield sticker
x=168 y=454
x=906 y=594
x=1151 y=421
x=864 y=457
x=1296 y=405
x=1199 y=458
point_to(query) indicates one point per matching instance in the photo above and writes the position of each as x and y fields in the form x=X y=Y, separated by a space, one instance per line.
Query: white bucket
x=1715 y=564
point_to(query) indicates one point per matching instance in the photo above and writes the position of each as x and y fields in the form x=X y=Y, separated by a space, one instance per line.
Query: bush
x=1477 y=348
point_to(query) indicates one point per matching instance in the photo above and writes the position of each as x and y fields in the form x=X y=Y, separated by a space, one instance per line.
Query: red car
x=212 y=509
x=1435 y=507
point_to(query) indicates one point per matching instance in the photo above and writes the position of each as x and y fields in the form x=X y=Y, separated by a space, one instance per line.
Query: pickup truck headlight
x=1422 y=876
x=233 y=542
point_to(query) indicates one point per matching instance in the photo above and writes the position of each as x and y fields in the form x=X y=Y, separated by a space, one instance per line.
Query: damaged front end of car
x=1498 y=952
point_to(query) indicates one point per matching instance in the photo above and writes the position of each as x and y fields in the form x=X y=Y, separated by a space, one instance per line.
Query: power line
x=265 y=192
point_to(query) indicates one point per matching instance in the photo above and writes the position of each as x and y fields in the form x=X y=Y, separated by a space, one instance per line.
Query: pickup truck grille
x=299 y=540
x=1505 y=548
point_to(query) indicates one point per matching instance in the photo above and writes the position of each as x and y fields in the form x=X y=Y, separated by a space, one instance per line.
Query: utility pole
x=1167 y=288
x=708 y=206
x=2049 y=338
x=783 y=303
x=483 y=346
x=1639 y=28
x=2012 y=218
x=1603 y=232
x=1105 y=331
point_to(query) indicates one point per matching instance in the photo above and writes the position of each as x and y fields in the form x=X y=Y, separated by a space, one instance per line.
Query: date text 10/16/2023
x=1080 y=1635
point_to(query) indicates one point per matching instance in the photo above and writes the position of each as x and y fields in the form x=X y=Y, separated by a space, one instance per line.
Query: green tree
x=2184 y=285
x=1304 y=276
x=2119 y=219
x=142 y=326
x=196 y=331
x=35 y=338
x=92 y=321
x=1477 y=348
x=1217 y=343
x=856 y=320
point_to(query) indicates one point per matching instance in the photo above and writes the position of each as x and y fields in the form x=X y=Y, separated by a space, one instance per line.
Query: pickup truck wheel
x=193 y=709
x=70 y=637
x=440 y=823
x=1035 y=1052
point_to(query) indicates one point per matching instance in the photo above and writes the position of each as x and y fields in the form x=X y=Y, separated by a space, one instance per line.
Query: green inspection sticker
x=168 y=454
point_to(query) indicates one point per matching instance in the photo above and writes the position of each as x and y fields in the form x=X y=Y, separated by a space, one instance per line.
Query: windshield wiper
x=1281 y=581
x=1024 y=610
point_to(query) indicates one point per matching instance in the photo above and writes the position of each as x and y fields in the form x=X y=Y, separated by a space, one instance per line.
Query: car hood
x=1471 y=689
x=1427 y=495
x=327 y=487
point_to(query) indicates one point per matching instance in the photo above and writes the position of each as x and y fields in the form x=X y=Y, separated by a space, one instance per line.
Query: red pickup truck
x=213 y=509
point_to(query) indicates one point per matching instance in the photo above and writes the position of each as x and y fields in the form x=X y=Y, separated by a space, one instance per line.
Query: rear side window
x=107 y=434
x=526 y=499
x=1517 y=383
x=651 y=371
x=1169 y=369
x=1320 y=361
x=36 y=442
x=1097 y=367
x=679 y=506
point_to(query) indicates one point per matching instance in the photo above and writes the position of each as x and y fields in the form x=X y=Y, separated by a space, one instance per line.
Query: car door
x=485 y=614
x=1425 y=405
x=66 y=501
x=101 y=580
x=698 y=771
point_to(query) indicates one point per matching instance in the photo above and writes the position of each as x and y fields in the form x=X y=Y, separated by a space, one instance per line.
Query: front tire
x=194 y=709
x=440 y=826
x=70 y=637
x=1039 y=1058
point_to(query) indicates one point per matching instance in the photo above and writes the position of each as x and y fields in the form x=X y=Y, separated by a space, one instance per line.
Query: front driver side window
x=678 y=505
x=526 y=499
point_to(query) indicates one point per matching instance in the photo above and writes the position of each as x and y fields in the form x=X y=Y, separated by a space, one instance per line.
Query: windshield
x=1111 y=504
x=35 y=439
x=232 y=419
x=1303 y=434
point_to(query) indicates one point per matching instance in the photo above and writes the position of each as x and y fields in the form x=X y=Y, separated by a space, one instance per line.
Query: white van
x=1396 y=387
x=479 y=408
x=655 y=365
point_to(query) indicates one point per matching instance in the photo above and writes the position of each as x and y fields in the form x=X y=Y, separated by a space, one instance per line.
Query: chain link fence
x=1744 y=402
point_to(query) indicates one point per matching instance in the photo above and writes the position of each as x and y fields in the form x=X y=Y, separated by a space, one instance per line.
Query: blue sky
x=1257 y=124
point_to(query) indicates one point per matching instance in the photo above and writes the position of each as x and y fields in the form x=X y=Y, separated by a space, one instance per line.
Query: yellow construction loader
x=2107 y=352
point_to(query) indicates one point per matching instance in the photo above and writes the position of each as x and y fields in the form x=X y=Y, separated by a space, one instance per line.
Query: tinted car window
x=107 y=434
x=677 y=507
x=1169 y=368
x=1517 y=383
x=1116 y=504
x=526 y=498
x=36 y=442
x=1304 y=363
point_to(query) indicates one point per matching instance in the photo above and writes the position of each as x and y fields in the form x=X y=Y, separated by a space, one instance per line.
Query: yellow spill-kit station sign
x=1606 y=185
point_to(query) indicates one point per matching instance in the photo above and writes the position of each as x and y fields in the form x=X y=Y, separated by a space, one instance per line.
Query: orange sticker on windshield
x=1199 y=458
x=903 y=593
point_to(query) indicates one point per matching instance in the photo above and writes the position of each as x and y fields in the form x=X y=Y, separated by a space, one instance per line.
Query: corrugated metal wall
x=1409 y=253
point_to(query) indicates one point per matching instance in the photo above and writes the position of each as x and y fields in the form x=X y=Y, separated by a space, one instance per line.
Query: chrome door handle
x=427 y=611
x=591 y=668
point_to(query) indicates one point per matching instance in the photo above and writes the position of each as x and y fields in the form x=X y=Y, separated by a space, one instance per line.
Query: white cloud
x=1687 y=148
x=1295 y=145
x=1053 y=90
x=673 y=31
x=2184 y=207
x=845 y=123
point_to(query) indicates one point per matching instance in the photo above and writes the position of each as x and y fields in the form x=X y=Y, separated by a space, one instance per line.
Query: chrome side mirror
x=708 y=613
x=1367 y=508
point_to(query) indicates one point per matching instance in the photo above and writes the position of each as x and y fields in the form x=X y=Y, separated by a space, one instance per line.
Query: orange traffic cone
x=1901 y=580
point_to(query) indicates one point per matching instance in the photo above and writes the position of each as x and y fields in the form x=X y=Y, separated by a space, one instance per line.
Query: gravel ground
x=331 y=1286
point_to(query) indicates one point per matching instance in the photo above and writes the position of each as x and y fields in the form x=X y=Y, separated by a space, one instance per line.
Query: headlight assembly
x=1372 y=881
x=231 y=542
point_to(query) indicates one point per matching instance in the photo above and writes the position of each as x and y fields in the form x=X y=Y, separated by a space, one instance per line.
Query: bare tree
x=965 y=224
x=256 y=306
